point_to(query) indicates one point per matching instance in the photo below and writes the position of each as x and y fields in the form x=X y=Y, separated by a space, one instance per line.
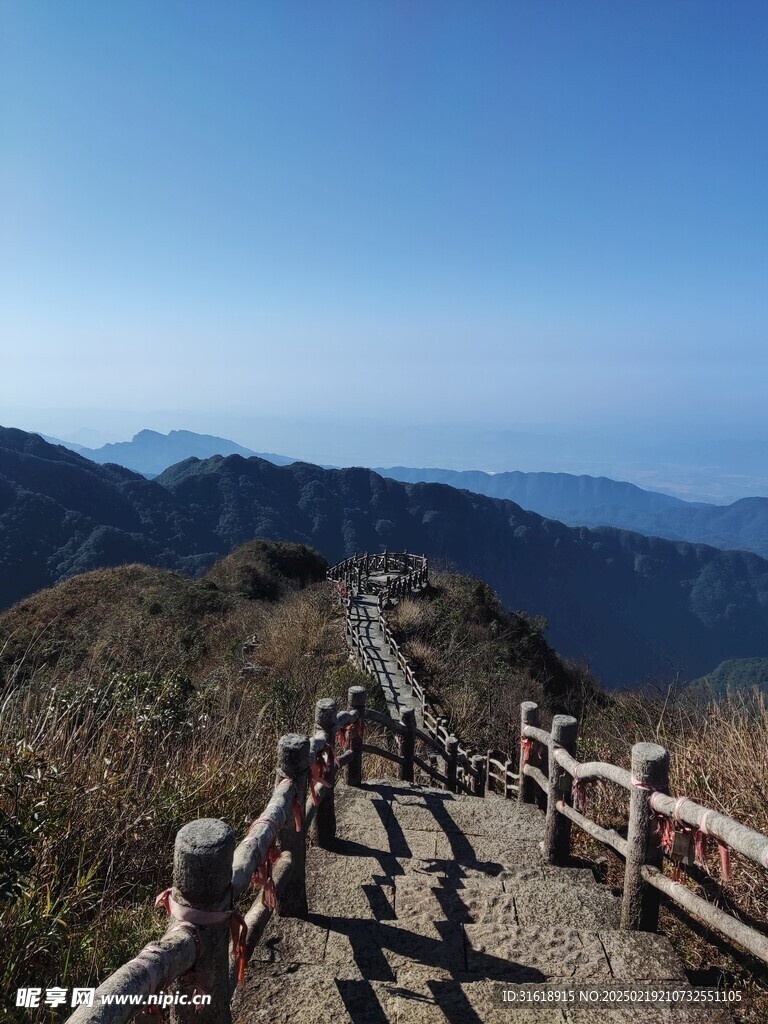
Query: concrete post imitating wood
x=640 y=902
x=508 y=769
x=293 y=763
x=356 y=698
x=529 y=715
x=324 y=823
x=451 y=752
x=202 y=879
x=479 y=765
x=408 y=744
x=386 y=561
x=557 y=831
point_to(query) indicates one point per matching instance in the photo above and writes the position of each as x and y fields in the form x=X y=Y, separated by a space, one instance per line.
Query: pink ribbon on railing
x=191 y=915
x=320 y=769
x=722 y=848
x=263 y=877
x=579 y=791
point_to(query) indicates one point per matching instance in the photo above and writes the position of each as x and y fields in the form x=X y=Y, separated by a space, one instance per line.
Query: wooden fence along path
x=426 y=895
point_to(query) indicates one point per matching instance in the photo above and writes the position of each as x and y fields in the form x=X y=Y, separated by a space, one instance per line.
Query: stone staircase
x=428 y=903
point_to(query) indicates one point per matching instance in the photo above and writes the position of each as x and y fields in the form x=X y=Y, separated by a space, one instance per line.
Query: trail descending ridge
x=364 y=616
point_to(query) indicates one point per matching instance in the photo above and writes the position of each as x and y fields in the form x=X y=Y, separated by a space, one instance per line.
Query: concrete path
x=428 y=904
x=364 y=614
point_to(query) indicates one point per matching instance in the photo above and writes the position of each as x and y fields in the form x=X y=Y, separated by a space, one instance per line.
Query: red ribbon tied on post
x=191 y=915
x=345 y=735
x=263 y=877
x=321 y=768
x=529 y=750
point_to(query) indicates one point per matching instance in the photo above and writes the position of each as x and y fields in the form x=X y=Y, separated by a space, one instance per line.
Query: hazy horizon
x=716 y=469
x=502 y=236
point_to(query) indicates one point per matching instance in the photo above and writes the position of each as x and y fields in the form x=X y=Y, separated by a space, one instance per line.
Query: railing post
x=451 y=755
x=508 y=768
x=326 y=710
x=356 y=698
x=202 y=879
x=478 y=763
x=293 y=763
x=640 y=902
x=408 y=744
x=529 y=715
x=557 y=831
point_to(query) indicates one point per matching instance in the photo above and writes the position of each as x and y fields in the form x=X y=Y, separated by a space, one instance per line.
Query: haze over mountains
x=634 y=606
x=150 y=452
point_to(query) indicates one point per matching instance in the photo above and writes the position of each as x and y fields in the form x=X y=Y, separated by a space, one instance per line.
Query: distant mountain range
x=573 y=500
x=149 y=452
x=634 y=606
x=599 y=501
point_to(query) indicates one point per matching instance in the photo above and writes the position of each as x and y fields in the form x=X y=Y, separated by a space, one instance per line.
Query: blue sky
x=506 y=216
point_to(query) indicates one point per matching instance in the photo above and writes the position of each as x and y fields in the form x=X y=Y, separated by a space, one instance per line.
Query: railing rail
x=357 y=572
x=660 y=828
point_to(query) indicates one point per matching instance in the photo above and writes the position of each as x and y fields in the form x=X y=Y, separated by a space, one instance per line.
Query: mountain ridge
x=634 y=606
x=601 y=501
x=576 y=500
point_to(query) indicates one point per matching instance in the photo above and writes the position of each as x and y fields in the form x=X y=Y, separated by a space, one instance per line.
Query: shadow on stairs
x=430 y=905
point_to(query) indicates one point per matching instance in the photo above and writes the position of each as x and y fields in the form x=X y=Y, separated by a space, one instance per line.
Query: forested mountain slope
x=634 y=606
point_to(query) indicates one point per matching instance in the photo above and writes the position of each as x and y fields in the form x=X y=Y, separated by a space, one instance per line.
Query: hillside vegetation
x=633 y=606
x=480 y=661
x=732 y=678
x=124 y=714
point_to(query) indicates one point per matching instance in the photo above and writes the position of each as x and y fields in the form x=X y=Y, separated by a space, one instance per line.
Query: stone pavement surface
x=428 y=904
x=364 y=614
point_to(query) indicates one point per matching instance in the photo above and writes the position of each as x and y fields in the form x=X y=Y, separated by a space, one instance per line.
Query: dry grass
x=718 y=757
x=478 y=661
x=101 y=767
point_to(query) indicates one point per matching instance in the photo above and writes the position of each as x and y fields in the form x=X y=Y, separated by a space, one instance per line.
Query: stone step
x=422 y=960
x=513 y=902
x=487 y=947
